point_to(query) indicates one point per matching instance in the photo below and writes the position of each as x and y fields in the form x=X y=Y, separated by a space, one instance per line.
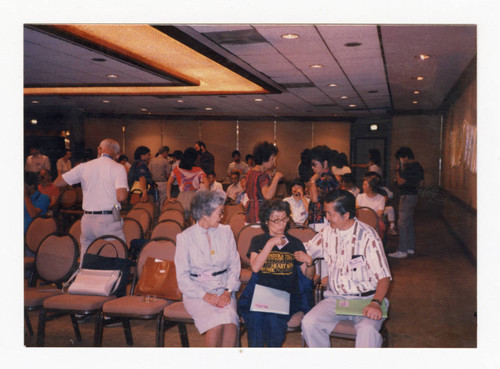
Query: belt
x=98 y=212
x=213 y=274
x=361 y=294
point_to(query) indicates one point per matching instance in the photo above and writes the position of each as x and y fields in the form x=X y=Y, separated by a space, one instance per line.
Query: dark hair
x=263 y=151
x=235 y=152
x=404 y=152
x=122 y=157
x=201 y=144
x=297 y=182
x=178 y=154
x=237 y=173
x=267 y=208
x=373 y=174
x=340 y=160
x=210 y=173
x=249 y=156
x=164 y=149
x=31 y=178
x=321 y=153
x=188 y=159
x=374 y=155
x=344 y=202
x=141 y=150
x=372 y=182
x=348 y=178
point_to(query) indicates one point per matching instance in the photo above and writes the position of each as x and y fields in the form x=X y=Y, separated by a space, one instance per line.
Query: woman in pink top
x=189 y=178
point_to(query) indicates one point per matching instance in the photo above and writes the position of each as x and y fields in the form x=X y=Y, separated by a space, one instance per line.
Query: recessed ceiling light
x=415 y=102
x=290 y=36
x=180 y=101
x=35 y=102
x=423 y=56
x=33 y=121
x=419 y=78
x=98 y=59
x=352 y=44
x=208 y=108
x=144 y=109
x=111 y=76
x=316 y=66
x=344 y=97
x=373 y=127
x=258 y=99
x=416 y=92
x=106 y=101
x=332 y=85
x=352 y=105
x=277 y=108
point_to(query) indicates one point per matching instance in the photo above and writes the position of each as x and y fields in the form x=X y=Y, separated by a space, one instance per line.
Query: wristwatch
x=377 y=301
x=228 y=290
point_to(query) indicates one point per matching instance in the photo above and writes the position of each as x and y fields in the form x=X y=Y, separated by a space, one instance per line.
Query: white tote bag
x=95 y=282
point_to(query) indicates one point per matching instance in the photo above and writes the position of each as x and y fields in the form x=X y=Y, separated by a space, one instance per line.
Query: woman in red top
x=260 y=185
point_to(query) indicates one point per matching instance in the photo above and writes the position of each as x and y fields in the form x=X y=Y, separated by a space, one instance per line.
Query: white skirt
x=207 y=316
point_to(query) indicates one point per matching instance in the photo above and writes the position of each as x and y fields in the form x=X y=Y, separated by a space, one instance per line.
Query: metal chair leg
x=128 y=332
x=183 y=334
x=160 y=331
x=98 y=331
x=76 y=328
x=41 y=328
x=28 y=323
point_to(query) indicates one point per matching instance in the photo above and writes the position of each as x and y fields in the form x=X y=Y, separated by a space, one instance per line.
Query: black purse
x=99 y=262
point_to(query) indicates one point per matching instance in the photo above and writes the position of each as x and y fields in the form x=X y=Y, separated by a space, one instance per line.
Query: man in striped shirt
x=357 y=269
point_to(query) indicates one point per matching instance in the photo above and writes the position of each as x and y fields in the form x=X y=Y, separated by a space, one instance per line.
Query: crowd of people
x=324 y=197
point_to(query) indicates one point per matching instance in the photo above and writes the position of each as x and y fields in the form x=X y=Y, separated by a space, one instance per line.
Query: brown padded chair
x=230 y=209
x=68 y=198
x=38 y=229
x=368 y=216
x=174 y=314
x=237 y=222
x=173 y=214
x=132 y=230
x=133 y=306
x=55 y=261
x=167 y=228
x=172 y=205
x=243 y=243
x=148 y=206
x=303 y=233
x=73 y=304
x=76 y=230
x=144 y=219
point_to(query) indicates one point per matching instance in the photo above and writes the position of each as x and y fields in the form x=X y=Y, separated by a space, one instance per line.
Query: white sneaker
x=398 y=255
x=410 y=252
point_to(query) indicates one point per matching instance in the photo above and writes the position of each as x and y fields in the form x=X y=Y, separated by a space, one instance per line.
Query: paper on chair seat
x=270 y=300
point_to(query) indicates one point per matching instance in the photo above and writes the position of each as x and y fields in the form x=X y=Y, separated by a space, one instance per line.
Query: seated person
x=298 y=202
x=213 y=184
x=347 y=184
x=278 y=261
x=237 y=165
x=242 y=198
x=388 y=195
x=35 y=203
x=373 y=200
x=250 y=161
x=369 y=280
x=48 y=188
x=234 y=189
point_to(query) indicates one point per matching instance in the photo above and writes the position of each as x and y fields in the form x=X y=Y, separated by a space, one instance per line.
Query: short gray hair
x=110 y=144
x=205 y=202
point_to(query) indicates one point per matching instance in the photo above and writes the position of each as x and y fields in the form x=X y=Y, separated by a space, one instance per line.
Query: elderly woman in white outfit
x=208 y=269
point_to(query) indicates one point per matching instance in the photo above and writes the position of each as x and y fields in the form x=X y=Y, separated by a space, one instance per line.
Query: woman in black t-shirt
x=278 y=261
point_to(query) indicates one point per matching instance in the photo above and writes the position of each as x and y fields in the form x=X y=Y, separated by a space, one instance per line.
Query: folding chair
x=172 y=205
x=166 y=228
x=173 y=214
x=237 y=222
x=230 y=209
x=144 y=219
x=303 y=233
x=243 y=243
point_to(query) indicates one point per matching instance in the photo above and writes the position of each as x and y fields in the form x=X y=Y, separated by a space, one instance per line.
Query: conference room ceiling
x=351 y=71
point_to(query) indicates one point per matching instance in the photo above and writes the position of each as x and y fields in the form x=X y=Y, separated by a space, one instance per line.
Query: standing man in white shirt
x=104 y=186
x=160 y=171
x=36 y=161
x=64 y=164
x=298 y=202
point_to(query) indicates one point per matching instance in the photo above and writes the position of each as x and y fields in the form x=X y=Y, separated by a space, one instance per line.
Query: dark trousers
x=265 y=329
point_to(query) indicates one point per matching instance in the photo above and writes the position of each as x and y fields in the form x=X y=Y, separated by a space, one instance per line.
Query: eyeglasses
x=282 y=220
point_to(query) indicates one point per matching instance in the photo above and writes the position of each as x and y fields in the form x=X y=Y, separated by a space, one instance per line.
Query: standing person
x=139 y=176
x=176 y=158
x=237 y=165
x=123 y=160
x=104 y=186
x=64 y=164
x=409 y=174
x=260 y=186
x=298 y=202
x=278 y=261
x=205 y=160
x=208 y=271
x=250 y=161
x=160 y=171
x=321 y=183
x=189 y=177
x=374 y=162
x=357 y=269
x=36 y=161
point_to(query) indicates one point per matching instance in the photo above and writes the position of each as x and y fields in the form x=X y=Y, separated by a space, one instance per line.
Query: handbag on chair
x=158 y=278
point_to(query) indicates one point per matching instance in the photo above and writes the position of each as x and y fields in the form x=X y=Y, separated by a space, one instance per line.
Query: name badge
x=357 y=261
x=284 y=244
